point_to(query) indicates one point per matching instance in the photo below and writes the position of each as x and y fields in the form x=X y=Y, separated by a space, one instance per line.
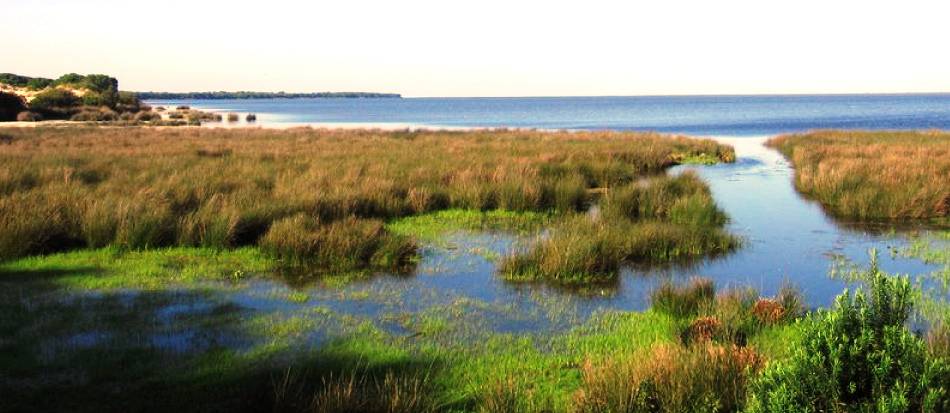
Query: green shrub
x=13 y=79
x=38 y=83
x=102 y=114
x=68 y=79
x=55 y=103
x=10 y=106
x=147 y=116
x=32 y=83
x=128 y=102
x=858 y=357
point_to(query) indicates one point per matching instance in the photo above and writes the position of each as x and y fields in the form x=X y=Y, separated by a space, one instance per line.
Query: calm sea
x=698 y=115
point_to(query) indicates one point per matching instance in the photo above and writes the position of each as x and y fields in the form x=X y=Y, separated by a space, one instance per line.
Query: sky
x=487 y=47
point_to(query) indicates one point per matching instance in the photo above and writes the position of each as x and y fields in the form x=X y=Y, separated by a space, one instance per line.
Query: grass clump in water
x=663 y=219
x=343 y=245
x=683 y=300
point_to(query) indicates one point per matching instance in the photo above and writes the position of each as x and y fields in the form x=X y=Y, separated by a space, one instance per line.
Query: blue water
x=696 y=115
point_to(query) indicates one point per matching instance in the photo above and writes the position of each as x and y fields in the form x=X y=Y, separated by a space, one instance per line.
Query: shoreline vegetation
x=87 y=99
x=885 y=176
x=263 y=95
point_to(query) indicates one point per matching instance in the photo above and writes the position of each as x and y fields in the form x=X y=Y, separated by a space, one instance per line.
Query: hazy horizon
x=490 y=49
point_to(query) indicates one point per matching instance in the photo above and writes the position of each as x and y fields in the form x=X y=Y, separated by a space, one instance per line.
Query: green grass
x=157 y=269
x=434 y=225
x=465 y=366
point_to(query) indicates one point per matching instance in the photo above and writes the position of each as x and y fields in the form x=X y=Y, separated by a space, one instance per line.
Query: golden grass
x=873 y=175
x=670 y=378
x=143 y=187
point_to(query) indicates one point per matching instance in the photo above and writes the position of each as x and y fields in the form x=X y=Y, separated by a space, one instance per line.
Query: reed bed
x=659 y=219
x=138 y=188
x=873 y=175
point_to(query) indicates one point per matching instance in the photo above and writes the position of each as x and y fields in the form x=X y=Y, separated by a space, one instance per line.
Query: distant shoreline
x=221 y=95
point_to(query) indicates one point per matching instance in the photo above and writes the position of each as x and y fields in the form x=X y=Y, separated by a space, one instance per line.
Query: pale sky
x=487 y=47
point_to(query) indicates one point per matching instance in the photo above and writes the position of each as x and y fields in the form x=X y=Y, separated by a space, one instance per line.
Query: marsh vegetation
x=873 y=175
x=289 y=191
x=197 y=270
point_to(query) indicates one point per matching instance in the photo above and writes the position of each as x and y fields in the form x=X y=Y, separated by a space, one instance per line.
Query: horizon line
x=403 y=96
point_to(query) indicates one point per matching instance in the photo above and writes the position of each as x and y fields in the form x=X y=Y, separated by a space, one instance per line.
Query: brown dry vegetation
x=873 y=175
x=66 y=188
x=671 y=378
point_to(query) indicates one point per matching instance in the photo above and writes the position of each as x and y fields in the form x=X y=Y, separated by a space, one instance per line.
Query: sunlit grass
x=433 y=226
x=873 y=175
x=110 y=268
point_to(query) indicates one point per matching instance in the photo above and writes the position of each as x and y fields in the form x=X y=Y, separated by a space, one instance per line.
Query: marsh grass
x=873 y=175
x=358 y=391
x=709 y=369
x=661 y=219
x=683 y=300
x=138 y=188
x=730 y=316
x=670 y=379
x=347 y=244
x=489 y=371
